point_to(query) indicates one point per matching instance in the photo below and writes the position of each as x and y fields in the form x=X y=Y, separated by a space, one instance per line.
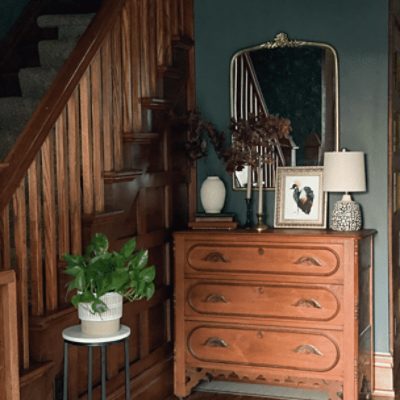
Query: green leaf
x=140 y=259
x=73 y=270
x=148 y=274
x=150 y=289
x=119 y=279
x=98 y=306
x=98 y=244
x=128 y=248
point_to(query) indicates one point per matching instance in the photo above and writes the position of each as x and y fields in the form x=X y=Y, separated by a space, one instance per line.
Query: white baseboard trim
x=383 y=376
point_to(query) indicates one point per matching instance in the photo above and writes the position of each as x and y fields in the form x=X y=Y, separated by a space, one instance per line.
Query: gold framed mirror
x=296 y=80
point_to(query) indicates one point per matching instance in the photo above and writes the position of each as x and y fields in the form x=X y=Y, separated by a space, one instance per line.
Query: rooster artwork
x=303 y=197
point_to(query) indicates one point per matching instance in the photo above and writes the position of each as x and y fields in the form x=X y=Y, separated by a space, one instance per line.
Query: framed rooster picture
x=300 y=201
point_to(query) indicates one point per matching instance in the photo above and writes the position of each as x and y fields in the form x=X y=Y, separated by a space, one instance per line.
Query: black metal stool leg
x=65 y=384
x=103 y=372
x=127 y=374
x=90 y=373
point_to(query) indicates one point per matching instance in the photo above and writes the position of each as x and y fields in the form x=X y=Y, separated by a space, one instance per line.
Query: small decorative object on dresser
x=212 y=195
x=299 y=199
x=284 y=307
x=224 y=221
x=344 y=171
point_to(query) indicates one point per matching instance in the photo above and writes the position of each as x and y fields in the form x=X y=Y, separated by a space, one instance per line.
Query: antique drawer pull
x=215 y=342
x=261 y=251
x=308 y=303
x=306 y=260
x=308 y=349
x=215 y=298
x=215 y=256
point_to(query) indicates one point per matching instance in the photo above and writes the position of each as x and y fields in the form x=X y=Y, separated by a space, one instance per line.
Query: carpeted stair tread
x=69 y=25
x=35 y=81
x=55 y=20
x=53 y=53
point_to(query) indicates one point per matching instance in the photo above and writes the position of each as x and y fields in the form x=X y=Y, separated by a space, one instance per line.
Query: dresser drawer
x=264 y=300
x=309 y=260
x=263 y=347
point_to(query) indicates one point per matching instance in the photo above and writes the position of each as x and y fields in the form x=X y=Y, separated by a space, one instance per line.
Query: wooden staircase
x=99 y=155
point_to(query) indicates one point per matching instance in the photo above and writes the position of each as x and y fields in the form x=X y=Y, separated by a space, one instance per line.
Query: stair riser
x=53 y=53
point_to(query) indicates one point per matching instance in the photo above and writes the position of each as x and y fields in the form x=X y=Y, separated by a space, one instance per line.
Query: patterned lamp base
x=346 y=216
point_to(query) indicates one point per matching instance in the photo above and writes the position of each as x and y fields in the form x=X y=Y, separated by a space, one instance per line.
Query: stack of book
x=214 y=221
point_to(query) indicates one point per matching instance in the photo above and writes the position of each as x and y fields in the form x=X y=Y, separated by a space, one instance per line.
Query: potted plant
x=103 y=278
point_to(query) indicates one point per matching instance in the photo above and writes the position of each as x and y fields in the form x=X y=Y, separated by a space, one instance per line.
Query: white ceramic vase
x=106 y=323
x=212 y=195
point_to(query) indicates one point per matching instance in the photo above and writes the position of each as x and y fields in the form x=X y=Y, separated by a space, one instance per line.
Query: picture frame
x=300 y=201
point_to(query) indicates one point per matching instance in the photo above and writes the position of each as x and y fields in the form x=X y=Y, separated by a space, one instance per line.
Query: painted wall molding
x=383 y=372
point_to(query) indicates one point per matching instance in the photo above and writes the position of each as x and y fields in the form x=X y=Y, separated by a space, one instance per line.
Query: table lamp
x=344 y=171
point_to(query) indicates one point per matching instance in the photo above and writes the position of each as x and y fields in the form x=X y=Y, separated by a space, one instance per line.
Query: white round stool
x=73 y=335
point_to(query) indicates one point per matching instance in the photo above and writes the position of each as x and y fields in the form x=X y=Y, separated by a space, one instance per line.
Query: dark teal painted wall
x=9 y=11
x=358 y=31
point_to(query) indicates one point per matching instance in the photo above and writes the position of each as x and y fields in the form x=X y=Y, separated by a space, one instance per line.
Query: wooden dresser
x=284 y=307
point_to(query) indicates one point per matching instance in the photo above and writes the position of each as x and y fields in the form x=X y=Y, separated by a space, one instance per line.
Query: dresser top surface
x=279 y=233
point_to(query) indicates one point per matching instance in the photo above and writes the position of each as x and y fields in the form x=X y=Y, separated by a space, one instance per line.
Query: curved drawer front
x=279 y=259
x=264 y=300
x=264 y=347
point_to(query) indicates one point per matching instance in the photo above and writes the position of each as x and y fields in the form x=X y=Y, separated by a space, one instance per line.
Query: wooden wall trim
x=9 y=379
x=383 y=371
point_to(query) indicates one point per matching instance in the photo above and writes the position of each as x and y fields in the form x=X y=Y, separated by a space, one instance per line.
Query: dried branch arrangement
x=254 y=140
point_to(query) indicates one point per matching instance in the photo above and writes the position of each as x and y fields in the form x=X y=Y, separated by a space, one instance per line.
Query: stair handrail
x=54 y=101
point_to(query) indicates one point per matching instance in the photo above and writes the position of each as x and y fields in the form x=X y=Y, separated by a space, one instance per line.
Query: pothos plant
x=99 y=271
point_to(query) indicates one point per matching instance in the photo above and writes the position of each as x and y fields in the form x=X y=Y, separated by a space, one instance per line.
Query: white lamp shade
x=344 y=171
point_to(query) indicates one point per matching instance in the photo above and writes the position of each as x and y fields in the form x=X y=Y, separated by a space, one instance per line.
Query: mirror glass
x=296 y=80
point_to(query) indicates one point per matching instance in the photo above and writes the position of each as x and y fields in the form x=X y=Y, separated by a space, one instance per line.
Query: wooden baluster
x=74 y=174
x=107 y=111
x=35 y=239
x=174 y=19
x=189 y=32
x=87 y=156
x=116 y=95
x=126 y=68
x=152 y=43
x=21 y=254
x=62 y=186
x=98 y=182
x=144 y=50
x=160 y=35
x=188 y=29
x=63 y=226
x=49 y=223
x=167 y=31
x=181 y=17
x=135 y=34
x=5 y=239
